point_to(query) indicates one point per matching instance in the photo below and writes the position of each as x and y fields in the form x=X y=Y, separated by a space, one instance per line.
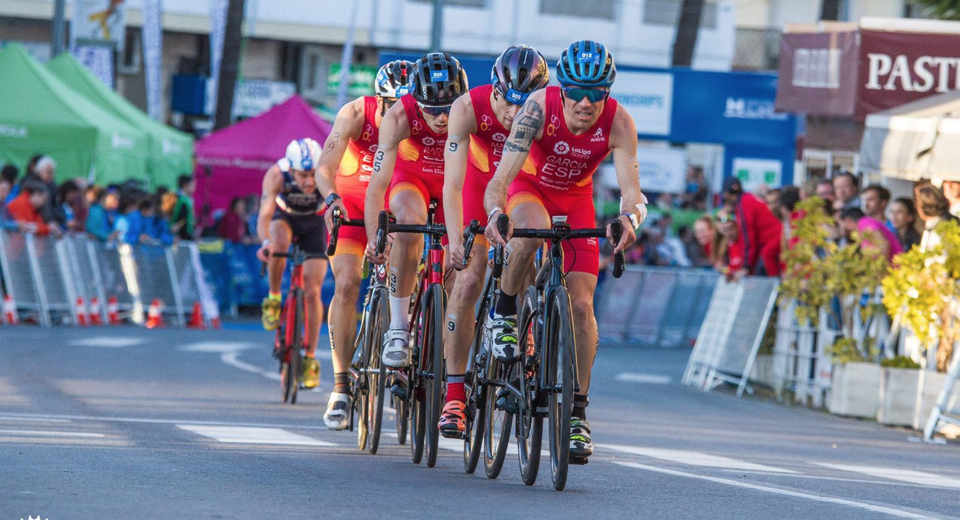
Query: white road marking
x=147 y=420
x=230 y=354
x=235 y=435
x=903 y=475
x=49 y=433
x=4 y=417
x=230 y=358
x=654 y=379
x=218 y=346
x=107 y=342
x=873 y=508
x=694 y=458
x=837 y=479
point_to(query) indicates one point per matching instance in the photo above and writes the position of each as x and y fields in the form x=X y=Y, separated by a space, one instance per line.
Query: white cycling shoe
x=396 y=348
x=338 y=411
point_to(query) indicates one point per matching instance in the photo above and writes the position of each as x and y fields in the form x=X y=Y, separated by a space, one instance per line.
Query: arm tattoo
x=333 y=141
x=525 y=128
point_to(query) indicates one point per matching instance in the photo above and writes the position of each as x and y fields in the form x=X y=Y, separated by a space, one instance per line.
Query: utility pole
x=687 y=28
x=437 y=28
x=346 y=59
x=229 y=64
x=59 y=27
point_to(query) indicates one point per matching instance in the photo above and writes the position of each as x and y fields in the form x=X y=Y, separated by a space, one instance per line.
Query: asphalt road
x=129 y=423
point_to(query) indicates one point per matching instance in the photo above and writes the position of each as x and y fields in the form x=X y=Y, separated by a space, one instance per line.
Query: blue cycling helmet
x=586 y=64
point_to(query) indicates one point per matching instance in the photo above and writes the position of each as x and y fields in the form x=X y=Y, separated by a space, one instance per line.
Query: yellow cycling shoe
x=270 y=313
x=310 y=375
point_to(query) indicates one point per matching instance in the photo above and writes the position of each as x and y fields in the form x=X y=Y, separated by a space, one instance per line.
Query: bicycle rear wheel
x=560 y=366
x=376 y=372
x=433 y=368
x=529 y=423
x=402 y=419
x=296 y=355
x=416 y=394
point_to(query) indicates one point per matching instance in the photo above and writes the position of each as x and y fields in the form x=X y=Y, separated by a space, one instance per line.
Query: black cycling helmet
x=438 y=80
x=518 y=72
x=393 y=79
x=586 y=64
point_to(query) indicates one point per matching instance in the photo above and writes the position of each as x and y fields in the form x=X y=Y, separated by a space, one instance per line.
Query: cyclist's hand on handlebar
x=493 y=234
x=373 y=257
x=457 y=259
x=263 y=254
x=328 y=214
x=627 y=237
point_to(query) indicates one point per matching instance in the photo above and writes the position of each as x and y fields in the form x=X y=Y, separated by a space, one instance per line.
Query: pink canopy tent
x=239 y=155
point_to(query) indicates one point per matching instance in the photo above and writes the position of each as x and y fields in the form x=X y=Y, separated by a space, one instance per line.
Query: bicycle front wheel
x=476 y=401
x=529 y=424
x=376 y=372
x=432 y=352
x=561 y=376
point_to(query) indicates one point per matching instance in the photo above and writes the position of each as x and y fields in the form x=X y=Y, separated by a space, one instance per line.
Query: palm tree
x=941 y=9
x=687 y=29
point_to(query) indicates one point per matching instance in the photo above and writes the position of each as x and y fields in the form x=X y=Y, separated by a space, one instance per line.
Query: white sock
x=398 y=312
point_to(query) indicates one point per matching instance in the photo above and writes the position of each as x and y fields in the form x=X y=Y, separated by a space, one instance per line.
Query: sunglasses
x=593 y=95
x=726 y=218
x=435 y=111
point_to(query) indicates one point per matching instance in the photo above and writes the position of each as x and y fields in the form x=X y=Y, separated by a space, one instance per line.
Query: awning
x=914 y=141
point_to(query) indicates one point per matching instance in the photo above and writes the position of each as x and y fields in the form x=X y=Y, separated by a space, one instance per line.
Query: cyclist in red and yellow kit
x=569 y=130
x=479 y=126
x=409 y=161
x=342 y=176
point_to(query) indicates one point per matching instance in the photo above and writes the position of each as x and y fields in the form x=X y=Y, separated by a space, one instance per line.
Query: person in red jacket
x=760 y=231
x=25 y=209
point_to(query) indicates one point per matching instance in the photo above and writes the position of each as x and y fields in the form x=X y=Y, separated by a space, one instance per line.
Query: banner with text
x=99 y=20
x=818 y=73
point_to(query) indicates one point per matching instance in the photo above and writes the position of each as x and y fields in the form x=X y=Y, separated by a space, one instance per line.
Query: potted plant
x=899 y=379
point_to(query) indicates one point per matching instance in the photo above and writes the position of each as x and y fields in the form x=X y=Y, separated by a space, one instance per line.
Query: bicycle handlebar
x=386 y=225
x=335 y=232
x=563 y=232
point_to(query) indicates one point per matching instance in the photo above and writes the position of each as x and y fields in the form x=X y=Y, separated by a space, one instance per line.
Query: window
x=667 y=12
x=462 y=3
x=130 y=57
x=578 y=8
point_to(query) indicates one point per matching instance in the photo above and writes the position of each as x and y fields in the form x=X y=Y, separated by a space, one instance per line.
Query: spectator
x=874 y=234
x=156 y=227
x=695 y=193
x=933 y=208
x=658 y=252
x=759 y=231
x=253 y=209
x=121 y=223
x=72 y=202
x=845 y=188
x=233 y=224
x=951 y=190
x=825 y=190
x=5 y=187
x=701 y=250
x=99 y=219
x=43 y=175
x=25 y=209
x=9 y=174
x=731 y=258
x=875 y=200
x=903 y=217
x=665 y=201
x=772 y=199
x=182 y=220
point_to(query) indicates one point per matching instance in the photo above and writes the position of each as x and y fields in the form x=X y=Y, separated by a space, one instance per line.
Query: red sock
x=456 y=392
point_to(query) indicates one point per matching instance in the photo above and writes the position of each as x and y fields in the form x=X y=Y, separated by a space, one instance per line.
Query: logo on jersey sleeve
x=485 y=122
x=561 y=148
x=415 y=127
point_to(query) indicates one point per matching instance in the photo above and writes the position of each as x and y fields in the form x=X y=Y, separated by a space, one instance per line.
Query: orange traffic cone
x=95 y=318
x=113 y=311
x=215 y=323
x=154 y=314
x=196 y=318
x=9 y=310
x=81 y=313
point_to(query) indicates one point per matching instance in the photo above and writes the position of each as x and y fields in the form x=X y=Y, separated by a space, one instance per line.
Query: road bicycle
x=290 y=339
x=542 y=382
x=420 y=384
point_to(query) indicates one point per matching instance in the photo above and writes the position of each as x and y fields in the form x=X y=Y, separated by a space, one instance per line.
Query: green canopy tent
x=171 y=150
x=41 y=114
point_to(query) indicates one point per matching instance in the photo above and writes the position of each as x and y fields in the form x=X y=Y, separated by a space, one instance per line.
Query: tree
x=830 y=10
x=941 y=9
x=687 y=28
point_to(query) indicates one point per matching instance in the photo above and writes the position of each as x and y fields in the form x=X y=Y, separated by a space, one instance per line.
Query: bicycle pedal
x=507 y=405
x=579 y=461
x=452 y=435
x=400 y=392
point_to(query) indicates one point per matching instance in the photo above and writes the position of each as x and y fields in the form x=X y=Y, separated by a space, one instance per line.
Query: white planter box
x=763 y=370
x=898 y=396
x=854 y=390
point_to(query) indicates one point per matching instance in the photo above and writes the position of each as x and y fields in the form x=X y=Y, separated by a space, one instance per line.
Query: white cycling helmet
x=303 y=154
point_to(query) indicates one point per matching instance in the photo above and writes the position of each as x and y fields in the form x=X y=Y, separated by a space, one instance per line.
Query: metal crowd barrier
x=732 y=331
x=47 y=278
x=654 y=306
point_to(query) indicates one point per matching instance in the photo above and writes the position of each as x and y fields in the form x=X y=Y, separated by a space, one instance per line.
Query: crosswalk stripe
x=634 y=377
x=903 y=475
x=242 y=435
x=42 y=433
x=693 y=458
